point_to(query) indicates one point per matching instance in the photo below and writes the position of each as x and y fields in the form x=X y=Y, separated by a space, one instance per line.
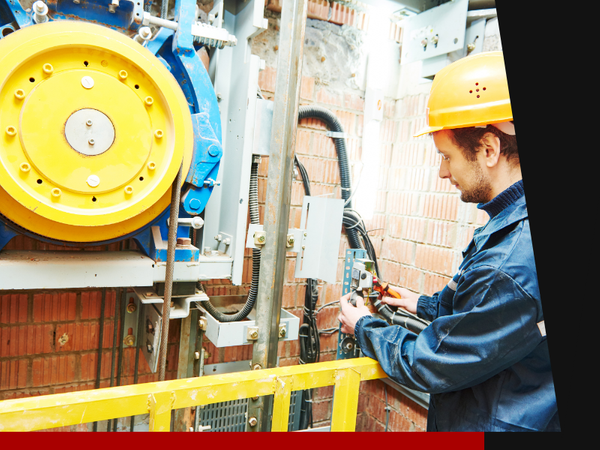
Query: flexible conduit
x=254 y=219
x=335 y=126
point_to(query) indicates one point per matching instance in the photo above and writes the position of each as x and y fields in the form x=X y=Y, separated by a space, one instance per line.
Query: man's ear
x=490 y=144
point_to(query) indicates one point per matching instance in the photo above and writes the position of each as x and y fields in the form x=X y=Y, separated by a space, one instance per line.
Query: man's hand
x=349 y=314
x=408 y=301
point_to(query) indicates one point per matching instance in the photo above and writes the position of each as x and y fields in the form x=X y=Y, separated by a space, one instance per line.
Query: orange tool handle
x=384 y=288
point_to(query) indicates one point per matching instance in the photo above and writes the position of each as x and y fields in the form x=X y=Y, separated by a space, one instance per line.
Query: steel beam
x=279 y=186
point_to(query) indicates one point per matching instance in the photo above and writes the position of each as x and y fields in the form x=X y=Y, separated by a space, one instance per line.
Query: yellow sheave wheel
x=93 y=131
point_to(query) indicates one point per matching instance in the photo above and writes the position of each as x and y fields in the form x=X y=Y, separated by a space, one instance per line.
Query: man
x=484 y=357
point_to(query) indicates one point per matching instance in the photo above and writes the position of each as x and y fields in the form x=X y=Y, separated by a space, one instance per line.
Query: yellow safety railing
x=160 y=398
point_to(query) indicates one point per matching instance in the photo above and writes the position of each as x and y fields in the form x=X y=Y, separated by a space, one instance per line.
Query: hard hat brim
x=427 y=130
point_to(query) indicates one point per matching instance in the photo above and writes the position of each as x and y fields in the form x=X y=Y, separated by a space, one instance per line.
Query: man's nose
x=444 y=172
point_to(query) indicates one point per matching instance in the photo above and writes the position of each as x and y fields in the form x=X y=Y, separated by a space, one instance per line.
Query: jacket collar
x=505 y=209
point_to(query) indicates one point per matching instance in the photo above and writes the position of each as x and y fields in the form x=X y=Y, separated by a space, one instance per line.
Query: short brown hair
x=469 y=139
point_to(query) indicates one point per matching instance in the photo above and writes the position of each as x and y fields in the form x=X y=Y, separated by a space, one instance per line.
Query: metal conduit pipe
x=254 y=219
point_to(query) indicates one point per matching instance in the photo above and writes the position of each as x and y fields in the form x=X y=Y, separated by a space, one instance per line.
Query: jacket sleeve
x=493 y=326
x=428 y=307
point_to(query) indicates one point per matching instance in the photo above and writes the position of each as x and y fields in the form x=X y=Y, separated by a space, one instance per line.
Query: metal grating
x=231 y=416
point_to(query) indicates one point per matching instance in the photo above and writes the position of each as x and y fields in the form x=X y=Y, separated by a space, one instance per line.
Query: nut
x=282 y=332
x=129 y=340
x=202 y=323
x=131 y=307
x=184 y=241
x=252 y=421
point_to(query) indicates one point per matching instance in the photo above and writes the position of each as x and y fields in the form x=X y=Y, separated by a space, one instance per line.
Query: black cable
x=254 y=219
x=100 y=339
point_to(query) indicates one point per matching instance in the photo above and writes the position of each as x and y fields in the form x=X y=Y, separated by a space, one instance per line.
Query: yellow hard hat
x=472 y=91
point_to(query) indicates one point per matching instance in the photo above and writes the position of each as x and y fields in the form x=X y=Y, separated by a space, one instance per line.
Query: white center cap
x=89 y=132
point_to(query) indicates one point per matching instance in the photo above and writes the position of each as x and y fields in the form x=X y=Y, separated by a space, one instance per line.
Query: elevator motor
x=95 y=125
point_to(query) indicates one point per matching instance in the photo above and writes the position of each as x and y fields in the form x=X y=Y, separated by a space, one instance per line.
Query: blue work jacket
x=484 y=357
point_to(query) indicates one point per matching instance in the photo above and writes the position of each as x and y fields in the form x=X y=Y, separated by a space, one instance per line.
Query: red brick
x=440 y=207
x=354 y=101
x=13 y=374
x=341 y=14
x=13 y=308
x=410 y=278
x=328 y=97
x=323 y=146
x=347 y=120
x=307 y=88
x=266 y=79
x=77 y=337
x=91 y=304
x=414 y=229
x=434 y=283
x=51 y=370
x=434 y=259
x=54 y=307
x=399 y=251
x=303 y=147
x=321 y=410
x=441 y=233
x=394 y=226
x=402 y=203
x=289 y=296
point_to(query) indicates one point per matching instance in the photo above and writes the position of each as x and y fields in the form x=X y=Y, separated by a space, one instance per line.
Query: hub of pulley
x=93 y=131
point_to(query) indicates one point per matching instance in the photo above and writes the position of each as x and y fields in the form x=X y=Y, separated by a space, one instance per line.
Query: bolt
x=254 y=334
x=131 y=307
x=25 y=167
x=56 y=192
x=261 y=239
x=93 y=180
x=252 y=421
x=202 y=323
x=129 y=340
x=151 y=165
x=218 y=238
x=123 y=75
x=195 y=204
x=91 y=141
x=196 y=355
x=128 y=190
x=149 y=100
x=20 y=94
x=48 y=69
x=89 y=123
x=149 y=348
x=256 y=367
x=87 y=82
x=159 y=134
x=11 y=131
x=282 y=332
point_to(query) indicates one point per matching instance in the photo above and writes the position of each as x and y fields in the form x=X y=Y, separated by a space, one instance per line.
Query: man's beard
x=480 y=191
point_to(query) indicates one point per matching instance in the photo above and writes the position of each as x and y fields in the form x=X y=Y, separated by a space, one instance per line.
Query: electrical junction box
x=435 y=32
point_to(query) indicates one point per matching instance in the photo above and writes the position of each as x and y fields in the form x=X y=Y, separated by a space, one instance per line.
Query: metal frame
x=160 y=398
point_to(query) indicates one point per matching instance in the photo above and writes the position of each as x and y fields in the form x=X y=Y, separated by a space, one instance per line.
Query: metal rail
x=160 y=398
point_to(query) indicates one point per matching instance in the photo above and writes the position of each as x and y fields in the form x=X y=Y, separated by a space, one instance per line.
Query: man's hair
x=469 y=139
